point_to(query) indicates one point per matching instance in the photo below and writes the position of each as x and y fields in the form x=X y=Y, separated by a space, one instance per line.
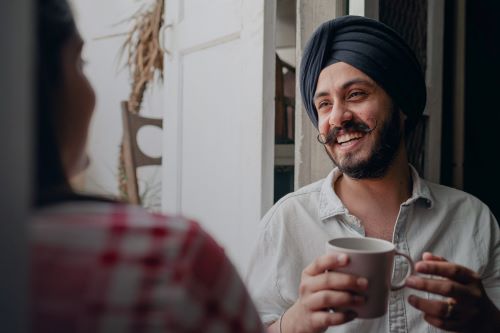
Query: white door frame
x=311 y=161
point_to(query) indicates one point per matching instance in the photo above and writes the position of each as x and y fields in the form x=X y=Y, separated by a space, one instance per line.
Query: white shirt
x=439 y=219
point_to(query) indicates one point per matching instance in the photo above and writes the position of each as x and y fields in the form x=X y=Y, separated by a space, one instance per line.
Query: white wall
x=97 y=19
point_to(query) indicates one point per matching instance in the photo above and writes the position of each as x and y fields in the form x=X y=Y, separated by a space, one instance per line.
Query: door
x=219 y=117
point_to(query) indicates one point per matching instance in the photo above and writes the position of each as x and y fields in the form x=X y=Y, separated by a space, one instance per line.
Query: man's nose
x=339 y=115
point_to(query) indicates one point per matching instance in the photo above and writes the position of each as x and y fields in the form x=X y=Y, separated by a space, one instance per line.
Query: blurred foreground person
x=103 y=266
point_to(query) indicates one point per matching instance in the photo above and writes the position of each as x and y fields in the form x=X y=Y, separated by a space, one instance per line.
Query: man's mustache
x=347 y=127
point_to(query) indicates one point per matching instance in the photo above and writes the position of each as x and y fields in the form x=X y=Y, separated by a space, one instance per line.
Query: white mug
x=372 y=259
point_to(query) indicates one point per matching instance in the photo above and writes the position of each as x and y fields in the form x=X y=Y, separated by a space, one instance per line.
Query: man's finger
x=326 y=262
x=335 y=281
x=432 y=308
x=431 y=257
x=324 y=319
x=446 y=288
x=448 y=270
x=326 y=299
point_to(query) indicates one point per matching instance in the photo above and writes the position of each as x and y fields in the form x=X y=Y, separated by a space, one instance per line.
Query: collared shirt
x=101 y=267
x=439 y=219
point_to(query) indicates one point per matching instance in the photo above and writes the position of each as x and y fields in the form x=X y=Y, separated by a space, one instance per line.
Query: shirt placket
x=397 y=307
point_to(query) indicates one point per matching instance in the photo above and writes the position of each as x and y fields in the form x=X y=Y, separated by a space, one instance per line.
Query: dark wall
x=482 y=102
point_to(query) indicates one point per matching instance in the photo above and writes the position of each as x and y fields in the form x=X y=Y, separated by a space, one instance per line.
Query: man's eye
x=323 y=104
x=355 y=94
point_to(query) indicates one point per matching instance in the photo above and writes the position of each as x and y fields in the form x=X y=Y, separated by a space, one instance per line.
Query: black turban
x=373 y=48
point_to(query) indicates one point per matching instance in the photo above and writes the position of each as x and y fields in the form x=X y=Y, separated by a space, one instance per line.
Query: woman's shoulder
x=92 y=223
x=115 y=256
x=113 y=234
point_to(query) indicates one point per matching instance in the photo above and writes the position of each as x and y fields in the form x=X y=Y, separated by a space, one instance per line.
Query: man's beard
x=383 y=152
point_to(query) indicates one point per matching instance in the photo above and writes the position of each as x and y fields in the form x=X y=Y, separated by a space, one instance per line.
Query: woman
x=103 y=266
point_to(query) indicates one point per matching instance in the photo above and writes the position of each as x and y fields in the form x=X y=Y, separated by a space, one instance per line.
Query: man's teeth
x=348 y=137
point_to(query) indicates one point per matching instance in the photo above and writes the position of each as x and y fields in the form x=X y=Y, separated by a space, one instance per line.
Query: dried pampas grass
x=143 y=51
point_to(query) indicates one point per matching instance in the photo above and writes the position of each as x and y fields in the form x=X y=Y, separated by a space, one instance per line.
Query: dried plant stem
x=144 y=54
x=144 y=59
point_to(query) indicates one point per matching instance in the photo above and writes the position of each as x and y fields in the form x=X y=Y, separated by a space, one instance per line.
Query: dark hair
x=55 y=27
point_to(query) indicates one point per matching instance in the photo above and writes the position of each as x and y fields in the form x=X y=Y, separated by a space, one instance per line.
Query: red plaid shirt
x=100 y=267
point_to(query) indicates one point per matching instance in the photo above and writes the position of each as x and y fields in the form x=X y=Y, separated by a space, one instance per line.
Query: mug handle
x=401 y=284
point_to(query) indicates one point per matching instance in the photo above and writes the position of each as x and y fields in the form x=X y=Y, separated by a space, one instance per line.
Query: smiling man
x=348 y=97
x=364 y=91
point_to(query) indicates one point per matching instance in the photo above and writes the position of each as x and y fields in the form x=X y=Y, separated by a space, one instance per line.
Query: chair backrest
x=133 y=156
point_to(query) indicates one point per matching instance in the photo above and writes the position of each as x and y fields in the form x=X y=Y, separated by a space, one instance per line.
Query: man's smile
x=348 y=137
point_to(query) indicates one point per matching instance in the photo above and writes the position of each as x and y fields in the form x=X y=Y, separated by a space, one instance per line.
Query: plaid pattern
x=100 y=267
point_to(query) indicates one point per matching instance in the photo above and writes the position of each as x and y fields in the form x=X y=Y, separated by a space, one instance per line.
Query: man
x=364 y=90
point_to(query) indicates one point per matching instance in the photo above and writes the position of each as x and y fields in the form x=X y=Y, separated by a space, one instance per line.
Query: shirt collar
x=330 y=204
x=420 y=191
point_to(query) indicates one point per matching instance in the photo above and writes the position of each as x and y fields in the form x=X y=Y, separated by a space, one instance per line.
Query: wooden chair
x=133 y=156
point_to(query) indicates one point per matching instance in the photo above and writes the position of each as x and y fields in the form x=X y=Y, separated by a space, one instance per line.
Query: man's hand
x=467 y=307
x=320 y=293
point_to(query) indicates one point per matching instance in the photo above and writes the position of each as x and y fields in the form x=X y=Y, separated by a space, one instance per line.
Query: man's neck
x=396 y=183
x=377 y=200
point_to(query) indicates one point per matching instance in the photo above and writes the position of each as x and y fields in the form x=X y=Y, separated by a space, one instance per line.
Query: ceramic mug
x=373 y=259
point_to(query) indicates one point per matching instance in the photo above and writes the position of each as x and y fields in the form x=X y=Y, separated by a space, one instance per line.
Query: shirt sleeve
x=215 y=283
x=262 y=278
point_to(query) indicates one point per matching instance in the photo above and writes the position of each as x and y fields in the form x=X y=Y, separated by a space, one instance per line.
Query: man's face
x=361 y=124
